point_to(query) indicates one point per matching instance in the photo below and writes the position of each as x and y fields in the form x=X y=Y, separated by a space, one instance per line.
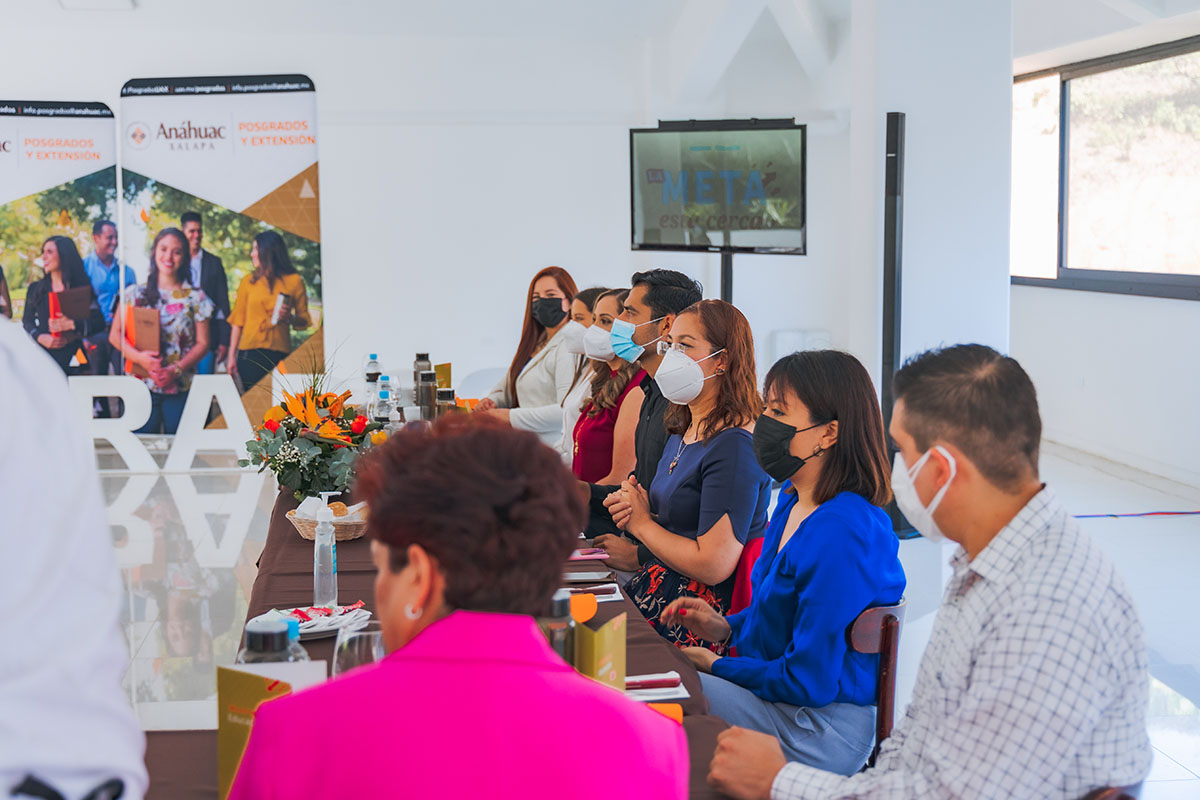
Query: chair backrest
x=876 y=631
x=741 y=575
x=1114 y=793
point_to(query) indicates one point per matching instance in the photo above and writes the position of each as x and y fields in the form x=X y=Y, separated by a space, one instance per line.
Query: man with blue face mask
x=648 y=313
x=1035 y=681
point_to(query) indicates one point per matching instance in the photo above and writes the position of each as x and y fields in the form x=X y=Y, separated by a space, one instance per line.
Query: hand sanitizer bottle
x=325 y=557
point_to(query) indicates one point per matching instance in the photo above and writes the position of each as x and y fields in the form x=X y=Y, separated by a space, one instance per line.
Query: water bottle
x=386 y=385
x=325 y=557
x=371 y=375
x=383 y=407
x=266 y=640
x=395 y=421
x=295 y=649
x=559 y=627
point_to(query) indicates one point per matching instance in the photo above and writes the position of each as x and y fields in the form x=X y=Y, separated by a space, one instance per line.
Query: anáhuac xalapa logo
x=185 y=135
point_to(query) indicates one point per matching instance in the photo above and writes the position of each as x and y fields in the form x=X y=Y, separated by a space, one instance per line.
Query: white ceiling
x=1043 y=30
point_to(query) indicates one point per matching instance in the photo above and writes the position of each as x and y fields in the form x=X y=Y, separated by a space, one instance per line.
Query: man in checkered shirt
x=1034 y=683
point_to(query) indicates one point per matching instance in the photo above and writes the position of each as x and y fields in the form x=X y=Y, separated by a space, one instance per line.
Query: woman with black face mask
x=531 y=395
x=828 y=554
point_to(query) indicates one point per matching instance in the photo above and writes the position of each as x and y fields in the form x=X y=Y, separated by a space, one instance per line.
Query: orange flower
x=303 y=407
x=331 y=430
x=339 y=401
x=378 y=437
x=276 y=413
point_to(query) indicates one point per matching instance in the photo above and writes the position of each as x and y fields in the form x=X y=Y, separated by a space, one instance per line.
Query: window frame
x=1146 y=284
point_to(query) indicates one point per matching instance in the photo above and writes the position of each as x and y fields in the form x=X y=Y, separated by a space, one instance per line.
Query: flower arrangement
x=310 y=442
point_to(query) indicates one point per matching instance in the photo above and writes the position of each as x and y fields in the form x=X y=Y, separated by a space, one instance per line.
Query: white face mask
x=679 y=378
x=573 y=333
x=597 y=344
x=919 y=515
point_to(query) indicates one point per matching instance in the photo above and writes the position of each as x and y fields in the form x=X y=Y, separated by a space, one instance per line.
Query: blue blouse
x=791 y=640
x=711 y=479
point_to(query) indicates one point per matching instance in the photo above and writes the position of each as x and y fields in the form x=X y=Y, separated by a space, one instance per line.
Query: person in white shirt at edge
x=66 y=727
x=583 y=316
x=530 y=396
x=1035 y=682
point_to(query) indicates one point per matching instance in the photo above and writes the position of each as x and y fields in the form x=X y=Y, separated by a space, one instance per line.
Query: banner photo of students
x=58 y=181
x=231 y=163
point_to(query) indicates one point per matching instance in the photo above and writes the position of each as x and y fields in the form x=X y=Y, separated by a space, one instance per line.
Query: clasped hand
x=629 y=506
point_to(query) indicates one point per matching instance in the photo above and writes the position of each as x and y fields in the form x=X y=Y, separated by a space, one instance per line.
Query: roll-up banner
x=58 y=177
x=242 y=153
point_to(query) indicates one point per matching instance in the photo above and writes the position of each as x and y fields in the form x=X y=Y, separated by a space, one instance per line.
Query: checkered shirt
x=1034 y=683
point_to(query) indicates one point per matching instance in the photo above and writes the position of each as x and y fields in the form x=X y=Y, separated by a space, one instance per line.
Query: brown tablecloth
x=183 y=764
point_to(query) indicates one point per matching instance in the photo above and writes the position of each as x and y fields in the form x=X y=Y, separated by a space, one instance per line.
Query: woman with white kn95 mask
x=709 y=496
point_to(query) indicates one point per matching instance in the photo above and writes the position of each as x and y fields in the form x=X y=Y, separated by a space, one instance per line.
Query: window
x=1106 y=174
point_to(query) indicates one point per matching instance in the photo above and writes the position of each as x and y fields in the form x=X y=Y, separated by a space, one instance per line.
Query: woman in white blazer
x=530 y=397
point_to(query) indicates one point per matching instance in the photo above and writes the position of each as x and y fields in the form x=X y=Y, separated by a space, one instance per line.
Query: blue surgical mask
x=622 y=339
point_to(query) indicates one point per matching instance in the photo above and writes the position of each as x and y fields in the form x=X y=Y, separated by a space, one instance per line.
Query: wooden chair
x=876 y=631
x=1115 y=793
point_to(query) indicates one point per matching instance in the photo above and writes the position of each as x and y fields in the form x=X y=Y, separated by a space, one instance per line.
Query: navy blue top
x=791 y=639
x=712 y=478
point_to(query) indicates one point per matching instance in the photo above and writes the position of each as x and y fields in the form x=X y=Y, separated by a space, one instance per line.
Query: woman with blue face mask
x=829 y=554
x=531 y=394
x=709 y=496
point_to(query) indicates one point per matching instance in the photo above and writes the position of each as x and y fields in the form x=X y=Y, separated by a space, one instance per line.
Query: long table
x=183 y=764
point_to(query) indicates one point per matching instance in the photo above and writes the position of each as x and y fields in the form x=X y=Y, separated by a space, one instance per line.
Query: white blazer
x=542 y=387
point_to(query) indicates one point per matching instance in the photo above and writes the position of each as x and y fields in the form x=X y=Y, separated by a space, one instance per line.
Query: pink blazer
x=476 y=706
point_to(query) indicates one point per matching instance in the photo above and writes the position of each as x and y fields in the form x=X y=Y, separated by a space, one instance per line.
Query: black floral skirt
x=655 y=586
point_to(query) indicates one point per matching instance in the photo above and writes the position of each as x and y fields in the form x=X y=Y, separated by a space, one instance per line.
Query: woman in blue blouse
x=829 y=553
x=709 y=495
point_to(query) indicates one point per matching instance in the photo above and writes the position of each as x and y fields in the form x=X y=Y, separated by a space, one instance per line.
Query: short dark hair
x=668 y=291
x=496 y=508
x=190 y=216
x=99 y=225
x=834 y=385
x=980 y=401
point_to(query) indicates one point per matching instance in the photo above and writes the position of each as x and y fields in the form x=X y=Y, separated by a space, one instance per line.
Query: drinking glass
x=357 y=646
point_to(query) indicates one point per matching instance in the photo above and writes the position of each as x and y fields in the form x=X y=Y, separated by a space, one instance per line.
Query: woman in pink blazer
x=471 y=523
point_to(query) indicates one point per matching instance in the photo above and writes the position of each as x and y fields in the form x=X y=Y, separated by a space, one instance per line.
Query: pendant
x=671 y=466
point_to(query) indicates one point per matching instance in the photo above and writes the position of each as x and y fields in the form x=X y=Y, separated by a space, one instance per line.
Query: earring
x=412 y=613
x=720 y=370
x=817 y=453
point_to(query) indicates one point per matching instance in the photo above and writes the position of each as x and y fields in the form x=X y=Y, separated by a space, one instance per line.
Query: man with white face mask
x=1034 y=682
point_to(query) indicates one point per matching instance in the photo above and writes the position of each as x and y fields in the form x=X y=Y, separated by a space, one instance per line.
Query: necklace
x=675 y=461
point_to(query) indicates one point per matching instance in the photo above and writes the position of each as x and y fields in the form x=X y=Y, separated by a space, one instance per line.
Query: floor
x=188 y=544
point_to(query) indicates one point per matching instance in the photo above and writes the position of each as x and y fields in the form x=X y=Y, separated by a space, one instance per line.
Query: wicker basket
x=342 y=531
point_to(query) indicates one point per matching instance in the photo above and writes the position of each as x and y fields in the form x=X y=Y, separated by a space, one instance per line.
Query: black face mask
x=549 y=311
x=772 y=439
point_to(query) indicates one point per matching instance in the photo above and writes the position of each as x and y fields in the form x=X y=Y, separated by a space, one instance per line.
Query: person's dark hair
x=70 y=264
x=184 y=276
x=496 y=509
x=738 y=401
x=980 y=401
x=272 y=257
x=589 y=296
x=834 y=385
x=533 y=333
x=668 y=291
x=607 y=385
x=190 y=216
x=99 y=225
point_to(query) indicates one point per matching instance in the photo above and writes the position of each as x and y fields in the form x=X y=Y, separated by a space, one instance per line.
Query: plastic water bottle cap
x=385 y=377
x=293 y=629
x=384 y=394
x=373 y=356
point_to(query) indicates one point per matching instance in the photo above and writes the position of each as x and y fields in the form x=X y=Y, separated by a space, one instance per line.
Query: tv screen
x=732 y=186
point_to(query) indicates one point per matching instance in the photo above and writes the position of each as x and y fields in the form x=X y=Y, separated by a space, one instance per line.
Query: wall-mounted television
x=728 y=185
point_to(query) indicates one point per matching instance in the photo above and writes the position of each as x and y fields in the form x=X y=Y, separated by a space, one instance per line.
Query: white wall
x=453 y=168
x=1117 y=375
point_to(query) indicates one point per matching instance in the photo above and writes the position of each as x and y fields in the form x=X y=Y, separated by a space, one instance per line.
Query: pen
x=600 y=590
x=653 y=683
